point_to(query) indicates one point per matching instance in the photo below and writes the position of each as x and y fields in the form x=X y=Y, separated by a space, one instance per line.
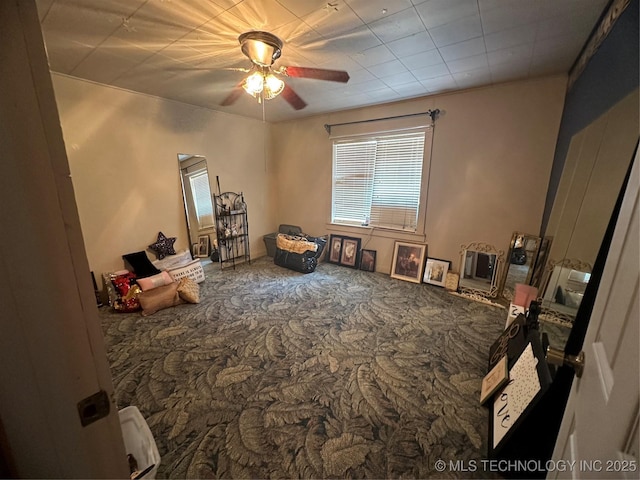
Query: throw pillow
x=163 y=246
x=158 y=298
x=189 y=290
x=124 y=292
x=154 y=281
x=141 y=264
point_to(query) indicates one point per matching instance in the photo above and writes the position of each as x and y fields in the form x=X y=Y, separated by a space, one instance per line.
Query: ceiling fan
x=263 y=82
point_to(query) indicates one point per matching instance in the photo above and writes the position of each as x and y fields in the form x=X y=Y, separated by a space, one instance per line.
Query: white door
x=599 y=430
x=52 y=354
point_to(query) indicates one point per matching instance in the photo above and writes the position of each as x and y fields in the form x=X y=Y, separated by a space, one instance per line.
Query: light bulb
x=274 y=86
x=254 y=83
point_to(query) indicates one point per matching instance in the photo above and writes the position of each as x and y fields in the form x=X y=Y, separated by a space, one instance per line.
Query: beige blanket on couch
x=294 y=244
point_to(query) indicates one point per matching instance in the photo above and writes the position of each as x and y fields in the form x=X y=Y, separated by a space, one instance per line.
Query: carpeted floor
x=339 y=373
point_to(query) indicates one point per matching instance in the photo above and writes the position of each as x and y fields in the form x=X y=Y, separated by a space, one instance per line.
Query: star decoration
x=163 y=246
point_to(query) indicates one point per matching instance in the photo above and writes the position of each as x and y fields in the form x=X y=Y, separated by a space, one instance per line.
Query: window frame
x=427 y=132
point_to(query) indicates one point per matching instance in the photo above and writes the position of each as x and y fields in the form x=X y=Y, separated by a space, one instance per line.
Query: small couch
x=298 y=252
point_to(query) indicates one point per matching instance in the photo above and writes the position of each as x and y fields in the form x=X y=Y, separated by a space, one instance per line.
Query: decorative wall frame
x=368 y=260
x=349 y=254
x=203 y=246
x=435 y=271
x=408 y=261
x=335 y=249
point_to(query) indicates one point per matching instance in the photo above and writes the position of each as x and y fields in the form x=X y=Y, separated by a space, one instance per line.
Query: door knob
x=559 y=358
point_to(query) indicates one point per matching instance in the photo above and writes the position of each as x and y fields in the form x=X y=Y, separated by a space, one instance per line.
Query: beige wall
x=492 y=154
x=122 y=149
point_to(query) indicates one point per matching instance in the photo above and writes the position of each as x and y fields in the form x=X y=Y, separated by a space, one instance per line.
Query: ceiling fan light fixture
x=262 y=48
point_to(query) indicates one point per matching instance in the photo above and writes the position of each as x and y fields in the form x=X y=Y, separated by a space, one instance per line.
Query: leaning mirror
x=480 y=267
x=196 y=195
x=523 y=252
x=564 y=288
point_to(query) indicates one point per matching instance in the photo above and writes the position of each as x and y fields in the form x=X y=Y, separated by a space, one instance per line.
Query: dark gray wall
x=611 y=74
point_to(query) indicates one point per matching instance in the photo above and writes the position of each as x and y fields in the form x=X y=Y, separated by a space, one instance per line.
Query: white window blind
x=202 y=198
x=377 y=180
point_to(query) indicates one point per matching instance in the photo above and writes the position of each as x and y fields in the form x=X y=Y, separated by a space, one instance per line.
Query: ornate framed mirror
x=563 y=288
x=480 y=271
x=519 y=264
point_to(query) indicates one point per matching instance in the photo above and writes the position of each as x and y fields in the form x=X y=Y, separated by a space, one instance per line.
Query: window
x=377 y=180
x=201 y=192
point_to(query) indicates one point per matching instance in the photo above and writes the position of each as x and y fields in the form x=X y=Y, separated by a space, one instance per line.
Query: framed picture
x=368 y=260
x=408 y=261
x=335 y=249
x=203 y=246
x=435 y=271
x=350 y=249
x=494 y=380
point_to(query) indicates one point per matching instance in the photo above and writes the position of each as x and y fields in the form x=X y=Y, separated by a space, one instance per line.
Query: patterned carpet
x=339 y=373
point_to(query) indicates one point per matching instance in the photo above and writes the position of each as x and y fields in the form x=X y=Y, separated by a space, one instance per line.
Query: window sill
x=356 y=230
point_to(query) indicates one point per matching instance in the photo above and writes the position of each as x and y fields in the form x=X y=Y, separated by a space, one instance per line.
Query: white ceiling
x=392 y=49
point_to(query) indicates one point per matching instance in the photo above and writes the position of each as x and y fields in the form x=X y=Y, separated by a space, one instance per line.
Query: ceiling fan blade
x=233 y=96
x=317 y=73
x=292 y=97
x=210 y=69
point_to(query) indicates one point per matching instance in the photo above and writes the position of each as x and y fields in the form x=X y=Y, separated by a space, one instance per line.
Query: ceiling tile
x=149 y=33
x=385 y=69
x=431 y=71
x=553 y=8
x=441 y=12
x=182 y=52
x=188 y=14
x=468 y=48
x=420 y=60
x=111 y=60
x=262 y=14
x=416 y=43
x=372 y=10
x=469 y=63
x=507 y=71
x=511 y=37
x=456 y=31
x=498 y=15
x=507 y=55
x=549 y=46
x=297 y=34
x=333 y=22
x=400 y=78
x=359 y=76
x=300 y=9
x=412 y=89
x=86 y=24
x=64 y=51
x=382 y=96
x=355 y=40
x=374 y=56
x=473 y=78
x=398 y=25
x=443 y=82
x=578 y=23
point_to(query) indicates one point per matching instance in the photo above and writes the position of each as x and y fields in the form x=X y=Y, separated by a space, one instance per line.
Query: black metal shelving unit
x=232 y=229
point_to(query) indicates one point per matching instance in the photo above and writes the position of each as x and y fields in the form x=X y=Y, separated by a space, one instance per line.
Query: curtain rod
x=432 y=113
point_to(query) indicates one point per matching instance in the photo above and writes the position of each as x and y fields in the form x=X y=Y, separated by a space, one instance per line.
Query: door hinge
x=94 y=407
